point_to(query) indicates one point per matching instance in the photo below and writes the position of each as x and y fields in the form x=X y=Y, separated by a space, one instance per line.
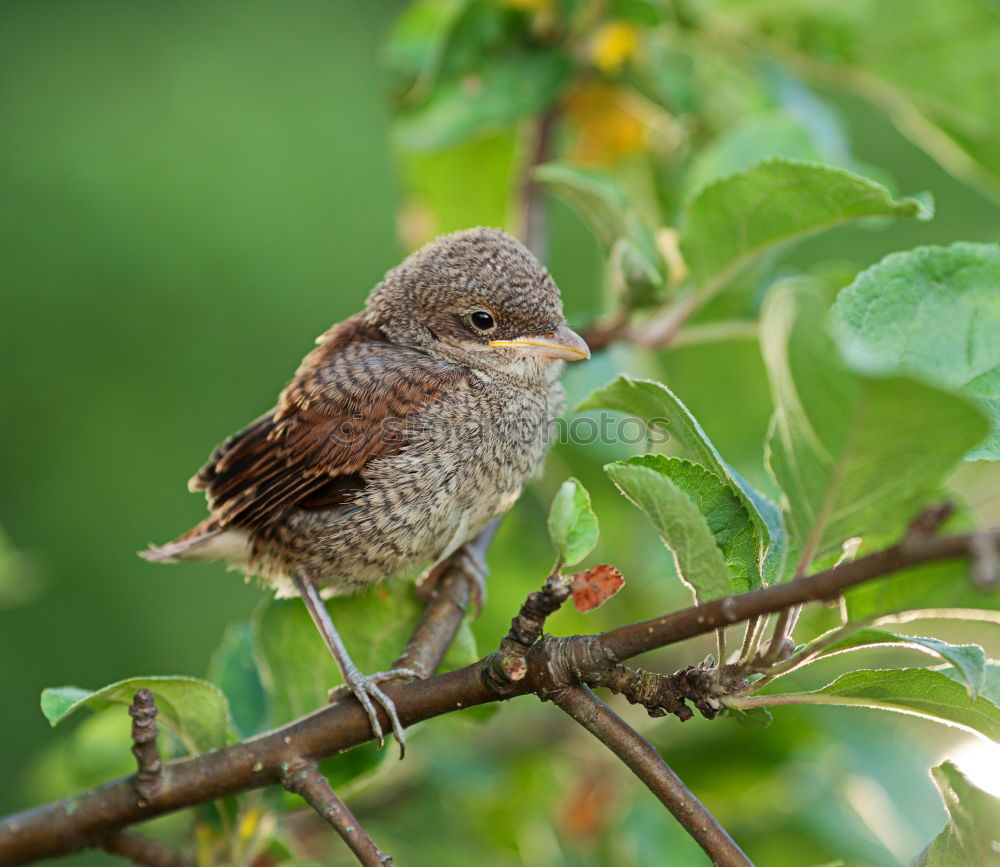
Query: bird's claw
x=365 y=688
x=474 y=566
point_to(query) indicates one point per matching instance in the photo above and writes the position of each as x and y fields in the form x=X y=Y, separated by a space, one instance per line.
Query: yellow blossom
x=525 y=5
x=608 y=122
x=612 y=44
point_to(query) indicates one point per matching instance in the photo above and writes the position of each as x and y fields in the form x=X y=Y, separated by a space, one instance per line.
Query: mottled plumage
x=403 y=433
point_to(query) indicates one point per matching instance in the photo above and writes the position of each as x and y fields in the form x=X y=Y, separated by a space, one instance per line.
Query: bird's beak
x=563 y=343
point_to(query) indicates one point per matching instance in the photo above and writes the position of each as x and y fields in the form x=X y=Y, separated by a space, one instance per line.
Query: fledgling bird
x=410 y=426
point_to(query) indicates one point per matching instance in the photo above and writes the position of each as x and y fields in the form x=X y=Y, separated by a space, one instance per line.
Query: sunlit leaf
x=573 y=525
x=852 y=454
x=969 y=660
x=659 y=407
x=933 y=312
x=884 y=52
x=732 y=221
x=193 y=709
x=680 y=522
x=602 y=202
x=972 y=835
x=918 y=691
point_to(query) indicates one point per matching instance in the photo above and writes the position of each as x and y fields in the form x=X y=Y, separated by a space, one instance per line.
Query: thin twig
x=720 y=646
x=781 y=634
x=447 y=606
x=922 y=527
x=534 y=223
x=73 y=823
x=143 y=850
x=749 y=647
x=305 y=780
x=647 y=764
x=526 y=628
x=144 y=733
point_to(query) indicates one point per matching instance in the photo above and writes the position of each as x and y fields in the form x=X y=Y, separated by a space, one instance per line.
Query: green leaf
x=883 y=52
x=972 y=835
x=933 y=312
x=940 y=589
x=754 y=718
x=193 y=709
x=19 y=581
x=680 y=523
x=503 y=91
x=573 y=525
x=659 y=407
x=969 y=660
x=936 y=589
x=296 y=668
x=604 y=205
x=852 y=454
x=232 y=667
x=437 y=184
x=418 y=39
x=724 y=512
x=786 y=132
x=734 y=220
x=597 y=196
x=918 y=691
x=298 y=671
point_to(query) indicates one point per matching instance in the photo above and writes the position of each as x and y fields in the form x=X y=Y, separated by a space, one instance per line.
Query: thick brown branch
x=305 y=780
x=77 y=822
x=629 y=641
x=646 y=763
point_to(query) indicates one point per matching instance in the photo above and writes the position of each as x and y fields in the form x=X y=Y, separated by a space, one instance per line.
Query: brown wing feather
x=339 y=412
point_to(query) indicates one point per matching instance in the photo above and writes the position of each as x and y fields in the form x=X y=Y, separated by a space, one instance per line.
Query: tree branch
x=305 y=780
x=534 y=228
x=447 y=606
x=79 y=821
x=142 y=850
x=647 y=764
x=144 y=733
x=628 y=641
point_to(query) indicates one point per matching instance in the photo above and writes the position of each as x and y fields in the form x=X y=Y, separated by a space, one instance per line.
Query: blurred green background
x=190 y=192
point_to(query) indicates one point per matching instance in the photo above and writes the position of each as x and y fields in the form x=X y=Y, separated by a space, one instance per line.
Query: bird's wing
x=342 y=410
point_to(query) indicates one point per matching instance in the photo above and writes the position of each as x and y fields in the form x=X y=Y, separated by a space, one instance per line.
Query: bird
x=407 y=429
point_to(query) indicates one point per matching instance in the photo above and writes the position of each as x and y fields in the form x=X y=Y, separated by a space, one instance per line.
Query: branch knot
x=148 y=779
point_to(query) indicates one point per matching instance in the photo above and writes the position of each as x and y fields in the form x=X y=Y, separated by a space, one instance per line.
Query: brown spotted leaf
x=594 y=586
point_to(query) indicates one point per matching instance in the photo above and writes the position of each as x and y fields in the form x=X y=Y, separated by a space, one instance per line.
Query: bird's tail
x=206 y=541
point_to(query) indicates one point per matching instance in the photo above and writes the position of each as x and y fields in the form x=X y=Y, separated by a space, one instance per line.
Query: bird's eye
x=482 y=320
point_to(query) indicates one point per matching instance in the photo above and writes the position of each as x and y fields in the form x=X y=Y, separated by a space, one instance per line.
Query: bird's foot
x=471 y=562
x=472 y=566
x=365 y=687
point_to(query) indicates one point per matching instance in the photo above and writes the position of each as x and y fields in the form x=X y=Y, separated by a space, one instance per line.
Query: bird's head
x=478 y=298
